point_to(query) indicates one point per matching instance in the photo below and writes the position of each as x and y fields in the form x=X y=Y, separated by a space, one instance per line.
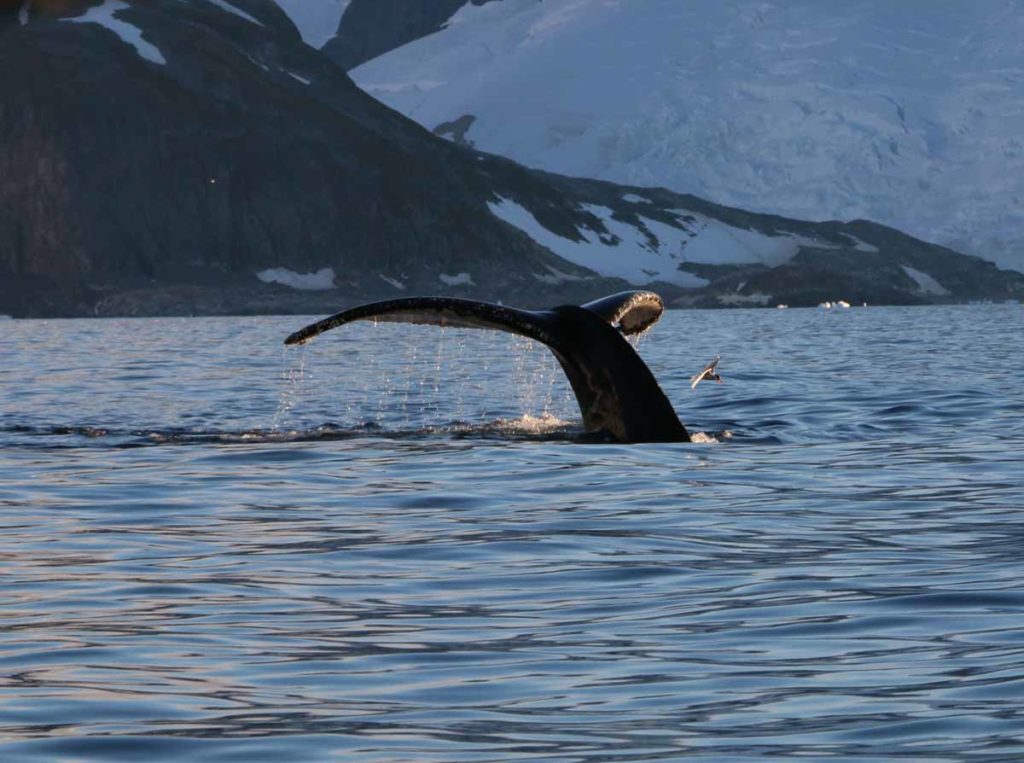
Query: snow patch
x=303 y=80
x=861 y=246
x=554 y=276
x=459 y=279
x=716 y=243
x=226 y=6
x=925 y=283
x=393 y=282
x=260 y=64
x=628 y=251
x=321 y=280
x=132 y=35
x=624 y=252
x=632 y=198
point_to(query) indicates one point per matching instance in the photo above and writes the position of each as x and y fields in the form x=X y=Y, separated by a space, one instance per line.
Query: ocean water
x=388 y=546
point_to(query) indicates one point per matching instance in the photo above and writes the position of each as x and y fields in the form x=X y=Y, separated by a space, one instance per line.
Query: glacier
x=910 y=113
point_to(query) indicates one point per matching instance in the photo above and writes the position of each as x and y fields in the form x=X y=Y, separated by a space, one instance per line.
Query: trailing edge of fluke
x=616 y=391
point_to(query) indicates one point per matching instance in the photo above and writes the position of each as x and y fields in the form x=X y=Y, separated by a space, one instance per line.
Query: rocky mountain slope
x=199 y=143
x=909 y=113
x=195 y=156
x=372 y=27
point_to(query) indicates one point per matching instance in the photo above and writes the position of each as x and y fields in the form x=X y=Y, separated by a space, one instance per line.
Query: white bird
x=709 y=372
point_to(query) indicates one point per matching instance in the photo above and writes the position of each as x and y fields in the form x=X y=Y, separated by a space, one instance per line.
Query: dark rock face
x=116 y=171
x=156 y=163
x=370 y=28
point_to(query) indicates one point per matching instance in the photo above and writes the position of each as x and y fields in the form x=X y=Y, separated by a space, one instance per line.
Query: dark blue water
x=213 y=549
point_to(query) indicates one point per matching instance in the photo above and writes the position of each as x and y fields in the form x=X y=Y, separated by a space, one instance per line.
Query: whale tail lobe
x=616 y=391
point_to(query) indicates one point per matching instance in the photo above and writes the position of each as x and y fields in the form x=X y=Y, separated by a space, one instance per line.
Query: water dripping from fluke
x=293 y=379
x=616 y=391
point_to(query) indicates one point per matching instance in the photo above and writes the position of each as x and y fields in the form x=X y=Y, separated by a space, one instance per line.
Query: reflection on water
x=214 y=549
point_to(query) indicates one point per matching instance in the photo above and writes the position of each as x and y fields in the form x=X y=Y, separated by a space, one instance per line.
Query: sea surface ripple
x=389 y=545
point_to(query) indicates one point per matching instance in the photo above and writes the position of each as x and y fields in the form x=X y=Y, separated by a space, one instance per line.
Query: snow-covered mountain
x=358 y=30
x=317 y=20
x=249 y=174
x=372 y=27
x=910 y=113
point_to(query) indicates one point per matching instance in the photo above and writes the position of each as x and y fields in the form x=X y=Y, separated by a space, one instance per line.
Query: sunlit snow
x=715 y=243
x=628 y=251
x=925 y=282
x=321 y=280
x=908 y=113
x=625 y=252
x=632 y=198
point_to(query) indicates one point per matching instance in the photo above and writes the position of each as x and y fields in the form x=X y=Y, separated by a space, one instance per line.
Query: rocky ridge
x=194 y=156
x=372 y=27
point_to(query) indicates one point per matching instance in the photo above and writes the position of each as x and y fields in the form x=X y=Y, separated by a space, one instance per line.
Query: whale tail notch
x=616 y=391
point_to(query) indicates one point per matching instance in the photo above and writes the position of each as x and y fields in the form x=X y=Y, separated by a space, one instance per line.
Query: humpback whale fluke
x=616 y=391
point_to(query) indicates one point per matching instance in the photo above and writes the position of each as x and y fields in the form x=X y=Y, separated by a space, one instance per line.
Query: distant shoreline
x=196 y=301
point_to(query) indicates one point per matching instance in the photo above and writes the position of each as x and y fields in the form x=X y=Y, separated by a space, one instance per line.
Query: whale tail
x=616 y=391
